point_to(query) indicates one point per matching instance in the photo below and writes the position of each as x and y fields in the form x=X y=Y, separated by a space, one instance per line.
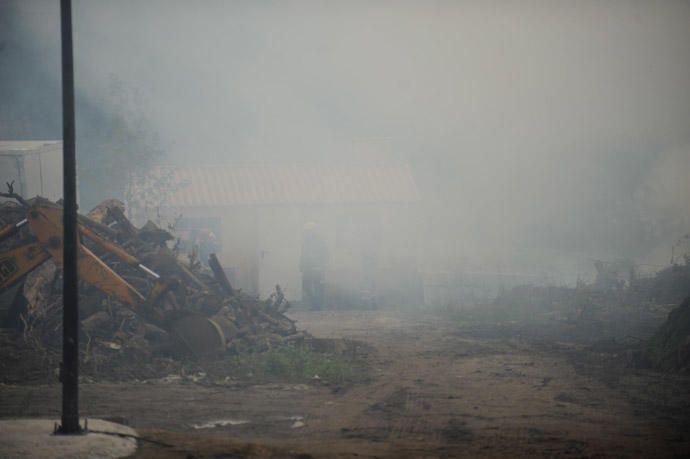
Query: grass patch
x=300 y=364
x=479 y=314
x=527 y=305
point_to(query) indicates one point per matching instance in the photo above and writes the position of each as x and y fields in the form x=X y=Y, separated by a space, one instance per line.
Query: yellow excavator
x=45 y=224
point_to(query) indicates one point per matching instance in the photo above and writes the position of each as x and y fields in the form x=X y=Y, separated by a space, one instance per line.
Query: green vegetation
x=529 y=304
x=300 y=364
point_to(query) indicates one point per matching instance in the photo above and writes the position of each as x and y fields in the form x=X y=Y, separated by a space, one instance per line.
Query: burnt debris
x=181 y=310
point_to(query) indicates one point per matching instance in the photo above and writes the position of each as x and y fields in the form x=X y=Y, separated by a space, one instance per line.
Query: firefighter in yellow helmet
x=313 y=261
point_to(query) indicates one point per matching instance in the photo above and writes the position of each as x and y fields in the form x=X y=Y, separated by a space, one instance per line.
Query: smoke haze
x=541 y=133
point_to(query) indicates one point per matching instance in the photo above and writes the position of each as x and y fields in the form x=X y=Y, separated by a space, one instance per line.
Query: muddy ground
x=435 y=387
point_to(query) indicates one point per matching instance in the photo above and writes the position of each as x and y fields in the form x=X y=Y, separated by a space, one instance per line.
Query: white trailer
x=35 y=167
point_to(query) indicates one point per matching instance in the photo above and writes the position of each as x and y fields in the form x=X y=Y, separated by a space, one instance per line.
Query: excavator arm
x=45 y=223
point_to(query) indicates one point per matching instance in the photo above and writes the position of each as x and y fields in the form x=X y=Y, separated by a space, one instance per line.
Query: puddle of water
x=220 y=423
x=288 y=418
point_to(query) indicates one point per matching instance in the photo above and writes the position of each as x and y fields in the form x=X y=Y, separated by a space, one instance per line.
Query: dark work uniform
x=313 y=264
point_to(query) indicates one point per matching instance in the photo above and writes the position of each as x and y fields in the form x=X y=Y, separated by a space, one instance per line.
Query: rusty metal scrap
x=190 y=312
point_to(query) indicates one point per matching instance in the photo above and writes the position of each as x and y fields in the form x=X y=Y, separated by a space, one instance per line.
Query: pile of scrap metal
x=138 y=299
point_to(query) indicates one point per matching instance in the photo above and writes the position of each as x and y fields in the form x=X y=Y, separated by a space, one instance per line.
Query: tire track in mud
x=411 y=400
x=434 y=392
x=440 y=388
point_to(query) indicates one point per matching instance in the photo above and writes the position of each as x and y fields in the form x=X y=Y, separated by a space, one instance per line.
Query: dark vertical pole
x=70 y=314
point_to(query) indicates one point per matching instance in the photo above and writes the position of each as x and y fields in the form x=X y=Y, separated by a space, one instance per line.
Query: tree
x=114 y=140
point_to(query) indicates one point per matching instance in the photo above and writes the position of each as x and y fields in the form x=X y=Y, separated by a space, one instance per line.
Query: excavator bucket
x=18 y=262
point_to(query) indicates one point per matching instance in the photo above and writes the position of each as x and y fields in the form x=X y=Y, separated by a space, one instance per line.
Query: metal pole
x=69 y=373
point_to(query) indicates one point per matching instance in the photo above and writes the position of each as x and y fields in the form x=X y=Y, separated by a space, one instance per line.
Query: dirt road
x=434 y=391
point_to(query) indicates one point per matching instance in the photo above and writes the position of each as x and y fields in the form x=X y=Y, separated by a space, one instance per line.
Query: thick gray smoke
x=541 y=133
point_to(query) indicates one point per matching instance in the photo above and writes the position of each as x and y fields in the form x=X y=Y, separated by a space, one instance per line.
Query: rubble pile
x=188 y=311
x=669 y=348
x=647 y=317
x=671 y=285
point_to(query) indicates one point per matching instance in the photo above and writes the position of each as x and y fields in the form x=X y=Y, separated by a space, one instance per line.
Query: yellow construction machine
x=45 y=224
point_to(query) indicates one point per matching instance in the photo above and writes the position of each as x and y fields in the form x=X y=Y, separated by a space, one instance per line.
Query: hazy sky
x=535 y=123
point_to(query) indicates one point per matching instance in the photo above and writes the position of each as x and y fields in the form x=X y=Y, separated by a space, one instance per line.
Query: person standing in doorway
x=313 y=261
